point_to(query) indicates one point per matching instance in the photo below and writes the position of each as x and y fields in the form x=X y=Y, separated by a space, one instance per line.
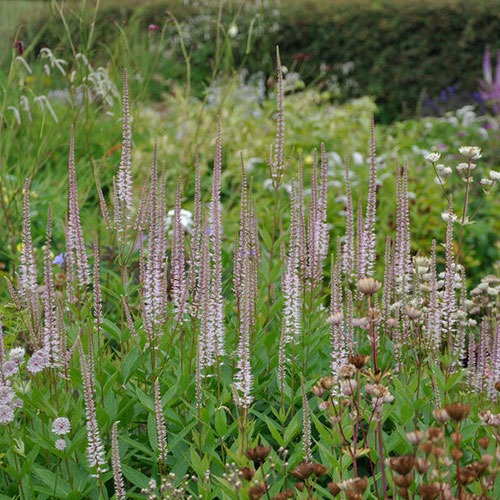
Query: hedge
x=401 y=50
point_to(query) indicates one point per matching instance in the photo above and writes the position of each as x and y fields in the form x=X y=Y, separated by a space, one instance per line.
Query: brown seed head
x=347 y=371
x=359 y=485
x=457 y=411
x=368 y=286
x=333 y=488
x=284 y=495
x=441 y=415
x=426 y=447
x=303 y=471
x=467 y=474
x=359 y=360
x=497 y=386
x=403 y=481
x=434 y=434
x=300 y=486
x=483 y=442
x=456 y=454
x=318 y=390
x=247 y=473
x=328 y=383
x=402 y=465
x=415 y=437
x=413 y=313
x=403 y=493
x=257 y=491
x=392 y=323
x=319 y=469
x=487 y=460
x=429 y=491
x=422 y=465
x=258 y=454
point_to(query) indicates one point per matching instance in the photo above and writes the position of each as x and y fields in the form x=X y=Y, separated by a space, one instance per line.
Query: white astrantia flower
x=462 y=167
x=494 y=175
x=60 y=444
x=17 y=353
x=472 y=152
x=486 y=182
x=232 y=31
x=432 y=157
x=61 y=426
x=10 y=368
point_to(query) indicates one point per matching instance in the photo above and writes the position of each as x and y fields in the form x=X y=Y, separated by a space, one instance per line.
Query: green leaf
x=135 y=477
x=58 y=486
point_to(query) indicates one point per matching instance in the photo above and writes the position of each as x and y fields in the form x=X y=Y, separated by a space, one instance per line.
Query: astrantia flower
x=494 y=175
x=486 y=182
x=432 y=157
x=61 y=425
x=10 y=368
x=60 y=444
x=472 y=152
x=446 y=215
x=38 y=362
x=6 y=394
x=6 y=414
x=17 y=354
x=462 y=167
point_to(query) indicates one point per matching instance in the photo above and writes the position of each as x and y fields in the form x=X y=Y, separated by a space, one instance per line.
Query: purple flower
x=60 y=444
x=60 y=259
x=153 y=27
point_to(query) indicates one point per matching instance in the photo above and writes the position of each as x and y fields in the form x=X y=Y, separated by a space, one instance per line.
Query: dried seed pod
x=457 y=411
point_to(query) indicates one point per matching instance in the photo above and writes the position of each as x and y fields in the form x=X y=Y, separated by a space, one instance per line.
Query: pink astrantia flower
x=6 y=414
x=61 y=425
x=60 y=444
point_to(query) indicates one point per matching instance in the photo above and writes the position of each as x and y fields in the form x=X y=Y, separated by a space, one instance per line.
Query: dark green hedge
x=400 y=49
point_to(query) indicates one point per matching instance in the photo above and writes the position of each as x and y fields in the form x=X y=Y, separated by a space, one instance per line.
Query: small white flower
x=432 y=157
x=17 y=354
x=61 y=425
x=358 y=158
x=494 y=175
x=232 y=31
x=439 y=180
x=472 y=152
x=486 y=182
x=38 y=361
x=462 y=167
x=446 y=215
x=60 y=444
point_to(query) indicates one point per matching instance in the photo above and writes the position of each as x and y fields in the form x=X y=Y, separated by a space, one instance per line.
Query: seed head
x=258 y=454
x=457 y=411
x=368 y=286
x=402 y=465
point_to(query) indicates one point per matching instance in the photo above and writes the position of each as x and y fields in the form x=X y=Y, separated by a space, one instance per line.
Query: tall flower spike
x=449 y=296
x=246 y=282
x=123 y=199
x=292 y=285
x=77 y=261
x=337 y=330
x=459 y=343
x=433 y=323
x=495 y=364
x=51 y=333
x=348 y=249
x=369 y=239
x=95 y=449
x=402 y=262
x=28 y=286
x=277 y=164
x=306 y=424
x=471 y=361
x=161 y=430
x=178 y=269
x=196 y=242
x=360 y=243
x=216 y=298
x=154 y=263
x=120 y=493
